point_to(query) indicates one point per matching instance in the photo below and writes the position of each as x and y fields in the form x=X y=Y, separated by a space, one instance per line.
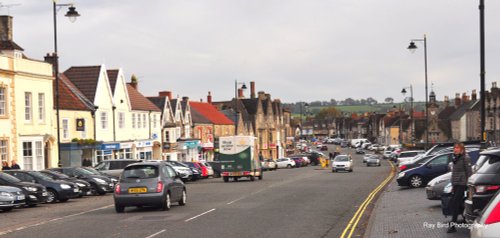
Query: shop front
x=106 y=152
x=125 y=151
x=144 y=150
x=189 y=150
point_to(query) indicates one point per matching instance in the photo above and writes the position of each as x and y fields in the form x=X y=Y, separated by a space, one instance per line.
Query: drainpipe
x=114 y=124
x=149 y=124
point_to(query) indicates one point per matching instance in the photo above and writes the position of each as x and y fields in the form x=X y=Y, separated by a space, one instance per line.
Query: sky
x=296 y=50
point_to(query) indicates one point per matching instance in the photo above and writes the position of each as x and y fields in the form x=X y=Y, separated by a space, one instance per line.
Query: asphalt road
x=303 y=202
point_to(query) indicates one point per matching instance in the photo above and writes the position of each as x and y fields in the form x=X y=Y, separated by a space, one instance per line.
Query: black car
x=35 y=193
x=58 y=190
x=483 y=185
x=197 y=174
x=82 y=184
x=216 y=167
x=99 y=184
x=113 y=179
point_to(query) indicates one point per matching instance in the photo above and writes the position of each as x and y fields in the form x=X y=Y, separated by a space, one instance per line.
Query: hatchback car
x=58 y=190
x=35 y=193
x=285 y=163
x=149 y=184
x=488 y=223
x=82 y=184
x=11 y=197
x=99 y=184
x=114 y=167
x=342 y=162
x=182 y=170
x=435 y=187
x=373 y=161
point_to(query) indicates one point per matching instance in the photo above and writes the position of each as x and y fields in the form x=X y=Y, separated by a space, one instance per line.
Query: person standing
x=461 y=171
x=14 y=165
x=5 y=165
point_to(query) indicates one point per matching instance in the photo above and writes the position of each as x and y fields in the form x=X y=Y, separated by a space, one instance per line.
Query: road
x=303 y=202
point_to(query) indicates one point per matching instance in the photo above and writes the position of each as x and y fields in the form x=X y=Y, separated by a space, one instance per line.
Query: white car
x=285 y=163
x=406 y=156
x=488 y=223
x=184 y=172
x=342 y=162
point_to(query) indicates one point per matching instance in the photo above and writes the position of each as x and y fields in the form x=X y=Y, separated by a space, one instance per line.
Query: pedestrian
x=5 y=165
x=330 y=155
x=14 y=165
x=460 y=172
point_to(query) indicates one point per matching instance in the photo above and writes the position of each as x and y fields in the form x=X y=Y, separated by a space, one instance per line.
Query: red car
x=203 y=169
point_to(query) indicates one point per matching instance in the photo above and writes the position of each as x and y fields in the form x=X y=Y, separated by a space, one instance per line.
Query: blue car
x=436 y=166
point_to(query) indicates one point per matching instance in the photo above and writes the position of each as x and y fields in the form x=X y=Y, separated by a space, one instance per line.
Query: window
x=28 y=155
x=3 y=102
x=39 y=154
x=133 y=120
x=121 y=120
x=65 y=128
x=41 y=107
x=167 y=136
x=84 y=132
x=27 y=106
x=104 y=120
x=440 y=160
x=4 y=154
x=144 y=121
x=139 y=121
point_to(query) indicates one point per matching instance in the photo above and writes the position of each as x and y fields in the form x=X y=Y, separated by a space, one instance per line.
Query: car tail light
x=159 y=187
x=402 y=167
x=117 y=189
x=486 y=188
x=246 y=173
x=225 y=173
x=494 y=215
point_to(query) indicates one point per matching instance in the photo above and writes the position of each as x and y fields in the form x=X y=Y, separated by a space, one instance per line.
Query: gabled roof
x=173 y=102
x=459 y=113
x=158 y=101
x=10 y=45
x=199 y=118
x=70 y=98
x=251 y=105
x=446 y=112
x=211 y=113
x=139 y=102
x=113 y=77
x=85 y=78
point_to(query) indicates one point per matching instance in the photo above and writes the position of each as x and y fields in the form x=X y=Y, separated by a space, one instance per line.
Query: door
x=175 y=182
x=437 y=166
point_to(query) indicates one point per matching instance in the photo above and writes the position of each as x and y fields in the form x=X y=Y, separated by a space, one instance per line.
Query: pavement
x=406 y=213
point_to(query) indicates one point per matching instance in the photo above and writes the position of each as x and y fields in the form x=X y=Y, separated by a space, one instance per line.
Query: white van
x=357 y=142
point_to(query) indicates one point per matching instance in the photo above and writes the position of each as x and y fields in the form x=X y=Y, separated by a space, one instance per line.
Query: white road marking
x=157 y=233
x=52 y=220
x=231 y=202
x=200 y=215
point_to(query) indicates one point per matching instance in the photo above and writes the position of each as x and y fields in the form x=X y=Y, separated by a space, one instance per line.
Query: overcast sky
x=297 y=50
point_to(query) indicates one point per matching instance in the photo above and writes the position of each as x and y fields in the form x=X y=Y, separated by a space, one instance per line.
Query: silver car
x=11 y=197
x=373 y=160
x=153 y=184
x=436 y=186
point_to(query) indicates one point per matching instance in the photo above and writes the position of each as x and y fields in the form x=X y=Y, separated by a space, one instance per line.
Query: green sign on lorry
x=239 y=158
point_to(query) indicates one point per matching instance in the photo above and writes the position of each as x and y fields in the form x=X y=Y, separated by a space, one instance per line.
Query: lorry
x=238 y=157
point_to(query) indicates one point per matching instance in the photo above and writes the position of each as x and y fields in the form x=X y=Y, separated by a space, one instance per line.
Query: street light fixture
x=72 y=14
x=412 y=48
x=412 y=125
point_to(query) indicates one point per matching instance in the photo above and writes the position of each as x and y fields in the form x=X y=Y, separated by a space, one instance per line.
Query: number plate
x=137 y=190
x=20 y=197
x=76 y=190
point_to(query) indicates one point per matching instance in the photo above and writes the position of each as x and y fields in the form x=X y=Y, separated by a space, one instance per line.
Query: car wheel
x=226 y=179
x=166 y=203
x=119 y=209
x=288 y=166
x=52 y=196
x=183 y=200
x=416 y=181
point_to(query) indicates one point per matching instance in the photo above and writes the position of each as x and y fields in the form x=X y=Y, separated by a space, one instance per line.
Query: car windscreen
x=490 y=166
x=92 y=170
x=9 y=178
x=140 y=171
x=40 y=175
x=342 y=158
x=80 y=171
x=56 y=175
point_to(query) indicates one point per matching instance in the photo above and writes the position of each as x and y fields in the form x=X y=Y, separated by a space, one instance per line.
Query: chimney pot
x=474 y=95
x=240 y=93
x=5 y=28
x=252 y=89
x=209 y=97
x=185 y=99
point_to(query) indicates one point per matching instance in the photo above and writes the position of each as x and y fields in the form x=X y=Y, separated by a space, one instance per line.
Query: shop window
x=28 y=155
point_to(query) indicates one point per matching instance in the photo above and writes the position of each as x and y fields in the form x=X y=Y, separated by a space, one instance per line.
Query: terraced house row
x=104 y=116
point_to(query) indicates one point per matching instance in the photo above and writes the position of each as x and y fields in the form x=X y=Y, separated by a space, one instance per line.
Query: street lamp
x=72 y=14
x=236 y=96
x=302 y=105
x=413 y=47
x=482 y=66
x=412 y=125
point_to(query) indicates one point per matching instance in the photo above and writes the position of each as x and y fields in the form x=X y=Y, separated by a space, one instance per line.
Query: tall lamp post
x=236 y=97
x=412 y=124
x=413 y=47
x=482 y=66
x=72 y=14
x=302 y=105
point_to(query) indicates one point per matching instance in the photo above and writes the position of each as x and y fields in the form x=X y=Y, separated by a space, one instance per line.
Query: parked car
x=149 y=184
x=387 y=154
x=324 y=148
x=488 y=223
x=99 y=184
x=82 y=184
x=437 y=165
x=34 y=193
x=483 y=184
x=373 y=160
x=194 y=169
x=11 y=197
x=114 y=167
x=359 y=150
x=113 y=178
x=269 y=164
x=367 y=156
x=210 y=170
x=203 y=172
x=58 y=190
x=405 y=156
x=216 y=167
x=184 y=172
x=285 y=163
x=342 y=162
x=435 y=187
x=299 y=161
x=314 y=157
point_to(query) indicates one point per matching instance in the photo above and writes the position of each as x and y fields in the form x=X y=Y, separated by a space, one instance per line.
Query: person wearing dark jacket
x=5 y=165
x=14 y=165
x=461 y=171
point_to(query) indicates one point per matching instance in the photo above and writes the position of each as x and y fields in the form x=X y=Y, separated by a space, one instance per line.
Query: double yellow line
x=351 y=226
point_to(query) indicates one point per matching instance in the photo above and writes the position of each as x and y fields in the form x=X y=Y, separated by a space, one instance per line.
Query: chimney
x=252 y=89
x=446 y=101
x=474 y=95
x=5 y=28
x=51 y=59
x=261 y=95
x=209 y=97
x=465 y=98
x=134 y=81
x=240 y=93
x=457 y=100
x=494 y=84
x=165 y=94
x=185 y=99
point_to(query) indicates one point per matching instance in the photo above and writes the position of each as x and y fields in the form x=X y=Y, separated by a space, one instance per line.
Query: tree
x=349 y=102
x=328 y=112
x=389 y=100
x=371 y=101
x=333 y=102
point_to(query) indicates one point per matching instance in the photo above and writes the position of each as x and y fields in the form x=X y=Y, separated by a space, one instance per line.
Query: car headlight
x=31 y=189
x=6 y=194
x=114 y=180
x=65 y=186
x=101 y=181
x=81 y=185
x=402 y=174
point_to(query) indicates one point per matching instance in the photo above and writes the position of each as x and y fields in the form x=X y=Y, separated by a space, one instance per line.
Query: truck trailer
x=238 y=157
